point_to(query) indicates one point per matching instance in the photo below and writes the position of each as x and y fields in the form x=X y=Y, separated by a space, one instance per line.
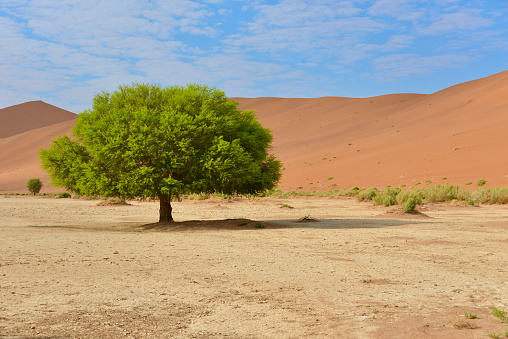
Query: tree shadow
x=248 y=224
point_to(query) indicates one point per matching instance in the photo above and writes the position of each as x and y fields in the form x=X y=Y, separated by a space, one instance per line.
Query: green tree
x=152 y=142
x=34 y=186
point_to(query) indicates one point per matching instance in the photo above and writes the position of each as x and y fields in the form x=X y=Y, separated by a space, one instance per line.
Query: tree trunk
x=165 y=212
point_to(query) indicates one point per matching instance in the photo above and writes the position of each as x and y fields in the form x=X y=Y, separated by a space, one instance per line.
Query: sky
x=65 y=52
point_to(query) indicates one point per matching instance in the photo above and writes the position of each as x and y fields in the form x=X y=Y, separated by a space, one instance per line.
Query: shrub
x=367 y=194
x=34 y=186
x=388 y=197
x=113 y=201
x=259 y=225
x=409 y=205
x=481 y=182
x=353 y=191
x=438 y=193
x=403 y=196
x=491 y=195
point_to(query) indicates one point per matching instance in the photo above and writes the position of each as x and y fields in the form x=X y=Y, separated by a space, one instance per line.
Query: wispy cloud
x=403 y=65
x=65 y=52
x=462 y=20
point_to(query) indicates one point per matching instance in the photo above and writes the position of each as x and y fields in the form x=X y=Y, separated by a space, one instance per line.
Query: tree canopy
x=34 y=186
x=152 y=142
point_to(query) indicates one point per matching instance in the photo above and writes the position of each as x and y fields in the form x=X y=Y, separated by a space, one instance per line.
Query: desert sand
x=72 y=269
x=458 y=133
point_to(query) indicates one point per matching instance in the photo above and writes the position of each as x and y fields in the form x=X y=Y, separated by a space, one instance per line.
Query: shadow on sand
x=247 y=224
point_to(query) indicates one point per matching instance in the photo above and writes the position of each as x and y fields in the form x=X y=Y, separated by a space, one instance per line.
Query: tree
x=152 y=142
x=34 y=186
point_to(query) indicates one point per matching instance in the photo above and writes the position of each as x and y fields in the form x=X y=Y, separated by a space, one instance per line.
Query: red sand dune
x=19 y=157
x=458 y=133
x=30 y=115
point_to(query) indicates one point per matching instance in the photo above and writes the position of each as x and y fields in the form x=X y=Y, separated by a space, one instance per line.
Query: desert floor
x=72 y=269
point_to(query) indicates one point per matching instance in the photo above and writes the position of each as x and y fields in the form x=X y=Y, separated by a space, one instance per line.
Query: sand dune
x=458 y=133
x=19 y=158
x=30 y=115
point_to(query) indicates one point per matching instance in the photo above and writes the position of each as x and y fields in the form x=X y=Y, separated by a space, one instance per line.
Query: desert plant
x=481 y=182
x=470 y=315
x=259 y=225
x=388 y=197
x=367 y=194
x=493 y=334
x=499 y=313
x=353 y=191
x=162 y=143
x=461 y=325
x=241 y=223
x=34 y=186
x=491 y=195
x=410 y=204
x=113 y=201
x=441 y=193
x=402 y=196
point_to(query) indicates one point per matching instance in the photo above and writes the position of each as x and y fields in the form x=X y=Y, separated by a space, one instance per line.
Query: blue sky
x=64 y=52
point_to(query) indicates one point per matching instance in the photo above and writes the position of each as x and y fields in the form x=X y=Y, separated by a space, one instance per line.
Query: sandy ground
x=72 y=269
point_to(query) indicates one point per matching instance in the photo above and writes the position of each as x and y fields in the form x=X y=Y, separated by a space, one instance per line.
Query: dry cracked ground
x=72 y=269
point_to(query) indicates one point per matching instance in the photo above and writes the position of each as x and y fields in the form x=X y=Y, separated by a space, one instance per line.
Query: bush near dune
x=411 y=198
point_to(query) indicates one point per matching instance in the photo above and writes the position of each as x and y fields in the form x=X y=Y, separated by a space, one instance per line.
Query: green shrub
x=500 y=314
x=481 y=182
x=470 y=202
x=34 y=186
x=491 y=195
x=241 y=223
x=353 y=191
x=409 y=205
x=259 y=225
x=402 y=196
x=367 y=194
x=388 y=197
x=438 y=193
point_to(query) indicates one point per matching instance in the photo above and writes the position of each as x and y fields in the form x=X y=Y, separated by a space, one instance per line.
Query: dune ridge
x=458 y=133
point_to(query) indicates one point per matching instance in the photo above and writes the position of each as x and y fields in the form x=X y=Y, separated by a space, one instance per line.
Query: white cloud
x=463 y=20
x=404 y=65
x=318 y=30
x=65 y=52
